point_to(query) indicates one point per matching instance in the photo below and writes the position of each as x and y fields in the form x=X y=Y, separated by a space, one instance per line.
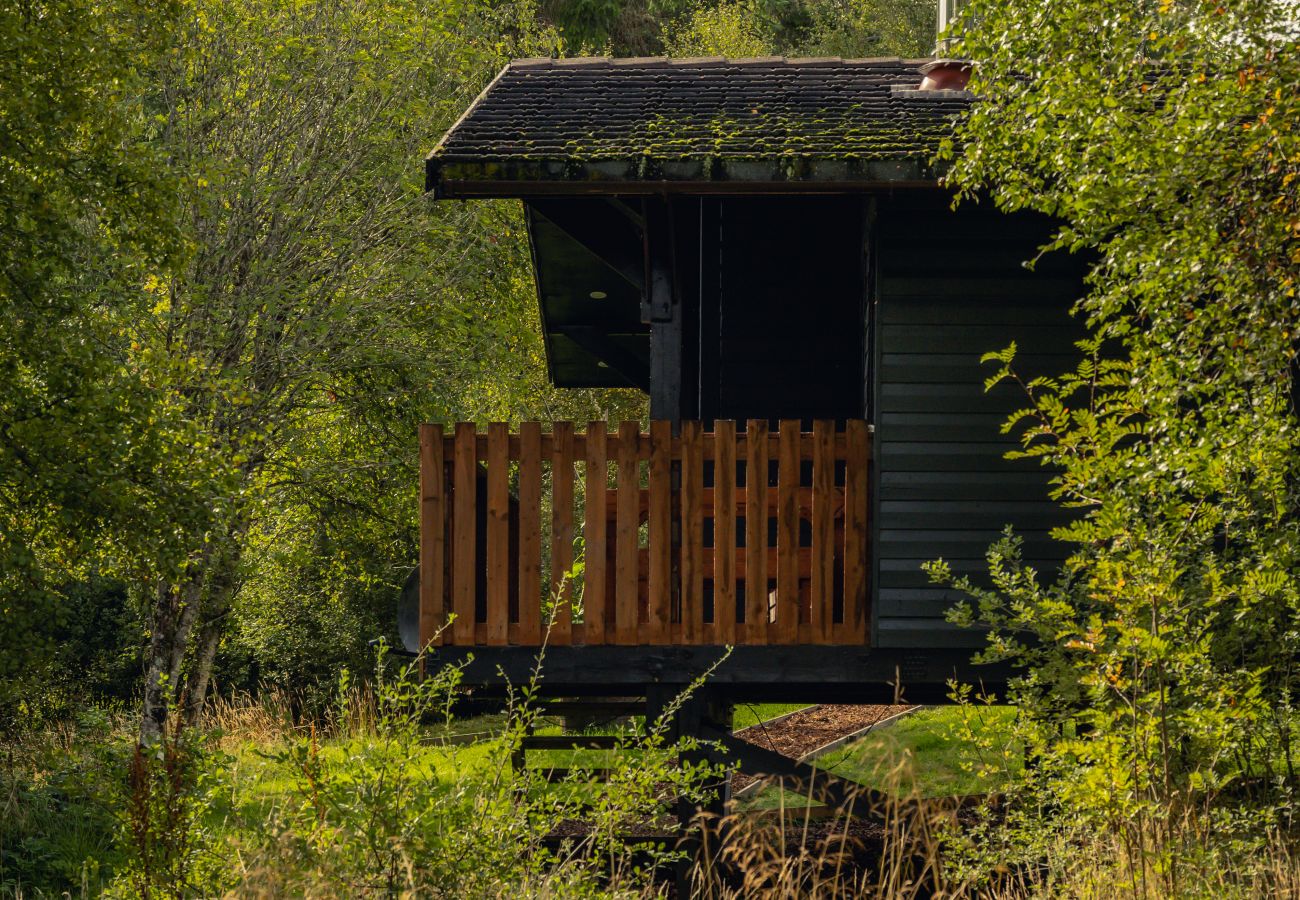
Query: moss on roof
x=637 y=119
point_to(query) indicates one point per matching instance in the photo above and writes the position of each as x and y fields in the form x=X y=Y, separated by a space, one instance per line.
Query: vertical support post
x=660 y=529
x=626 y=549
x=464 y=578
x=692 y=534
x=596 y=558
x=787 y=533
x=562 y=588
x=530 y=532
x=757 y=612
x=663 y=311
x=724 y=531
x=704 y=713
x=857 y=531
x=433 y=540
x=498 y=534
x=820 y=610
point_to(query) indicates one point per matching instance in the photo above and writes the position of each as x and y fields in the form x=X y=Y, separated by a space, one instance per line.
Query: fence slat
x=822 y=597
x=626 y=533
x=562 y=588
x=856 y=533
x=481 y=556
x=433 y=549
x=530 y=532
x=692 y=535
x=498 y=534
x=660 y=529
x=756 y=478
x=787 y=533
x=724 y=531
x=463 y=575
x=596 y=556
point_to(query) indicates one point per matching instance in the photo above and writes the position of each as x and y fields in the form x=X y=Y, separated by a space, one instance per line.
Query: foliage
x=91 y=458
x=1164 y=137
x=863 y=28
x=739 y=28
x=168 y=847
x=615 y=27
x=723 y=30
x=377 y=797
x=60 y=789
x=379 y=815
x=327 y=306
x=93 y=660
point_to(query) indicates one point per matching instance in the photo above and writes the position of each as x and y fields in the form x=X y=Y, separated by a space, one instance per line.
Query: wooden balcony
x=735 y=536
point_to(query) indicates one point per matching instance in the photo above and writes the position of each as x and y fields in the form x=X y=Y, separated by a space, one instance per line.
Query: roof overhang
x=453 y=178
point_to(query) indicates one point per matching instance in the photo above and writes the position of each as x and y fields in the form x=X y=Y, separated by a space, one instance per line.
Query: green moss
x=857 y=133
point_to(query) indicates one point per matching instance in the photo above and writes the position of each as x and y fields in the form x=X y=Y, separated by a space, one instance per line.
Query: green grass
x=934 y=752
x=64 y=822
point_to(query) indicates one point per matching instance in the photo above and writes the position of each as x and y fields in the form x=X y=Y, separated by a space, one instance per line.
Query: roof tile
x=591 y=110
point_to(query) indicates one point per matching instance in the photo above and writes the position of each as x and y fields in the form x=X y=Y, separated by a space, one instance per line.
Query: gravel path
x=808 y=729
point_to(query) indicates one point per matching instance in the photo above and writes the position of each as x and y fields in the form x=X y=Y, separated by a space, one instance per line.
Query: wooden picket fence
x=738 y=535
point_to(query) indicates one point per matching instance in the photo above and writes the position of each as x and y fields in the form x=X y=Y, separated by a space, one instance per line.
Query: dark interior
x=788 y=334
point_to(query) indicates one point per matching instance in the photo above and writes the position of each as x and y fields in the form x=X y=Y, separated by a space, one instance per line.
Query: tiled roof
x=618 y=121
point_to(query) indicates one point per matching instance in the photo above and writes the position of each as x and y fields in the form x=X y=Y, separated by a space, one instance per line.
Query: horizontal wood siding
x=951 y=287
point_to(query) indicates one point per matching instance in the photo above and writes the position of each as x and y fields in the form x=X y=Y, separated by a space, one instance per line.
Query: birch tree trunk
x=220 y=596
x=171 y=620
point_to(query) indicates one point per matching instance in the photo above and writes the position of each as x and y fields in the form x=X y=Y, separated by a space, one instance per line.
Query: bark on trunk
x=171 y=620
x=221 y=593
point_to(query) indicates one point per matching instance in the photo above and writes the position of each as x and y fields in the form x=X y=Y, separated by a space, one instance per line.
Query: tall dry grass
x=895 y=844
x=267 y=718
x=881 y=844
x=276 y=714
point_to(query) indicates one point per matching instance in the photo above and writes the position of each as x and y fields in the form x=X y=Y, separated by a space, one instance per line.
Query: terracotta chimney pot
x=946 y=75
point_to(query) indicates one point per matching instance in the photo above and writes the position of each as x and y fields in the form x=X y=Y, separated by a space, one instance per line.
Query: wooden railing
x=732 y=536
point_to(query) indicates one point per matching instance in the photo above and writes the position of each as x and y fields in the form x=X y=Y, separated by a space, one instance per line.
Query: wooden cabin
x=763 y=247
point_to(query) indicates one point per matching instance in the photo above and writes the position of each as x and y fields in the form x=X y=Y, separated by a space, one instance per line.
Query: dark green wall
x=950 y=287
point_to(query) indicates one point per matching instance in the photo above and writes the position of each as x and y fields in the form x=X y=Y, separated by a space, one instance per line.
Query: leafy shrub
x=60 y=787
x=169 y=847
x=377 y=811
x=1159 y=670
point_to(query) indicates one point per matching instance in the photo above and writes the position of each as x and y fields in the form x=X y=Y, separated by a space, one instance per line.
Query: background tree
x=863 y=28
x=848 y=28
x=724 y=30
x=319 y=273
x=228 y=303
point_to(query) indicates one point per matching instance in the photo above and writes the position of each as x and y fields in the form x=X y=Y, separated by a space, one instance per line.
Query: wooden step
x=570 y=742
x=556 y=841
x=562 y=773
x=613 y=709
